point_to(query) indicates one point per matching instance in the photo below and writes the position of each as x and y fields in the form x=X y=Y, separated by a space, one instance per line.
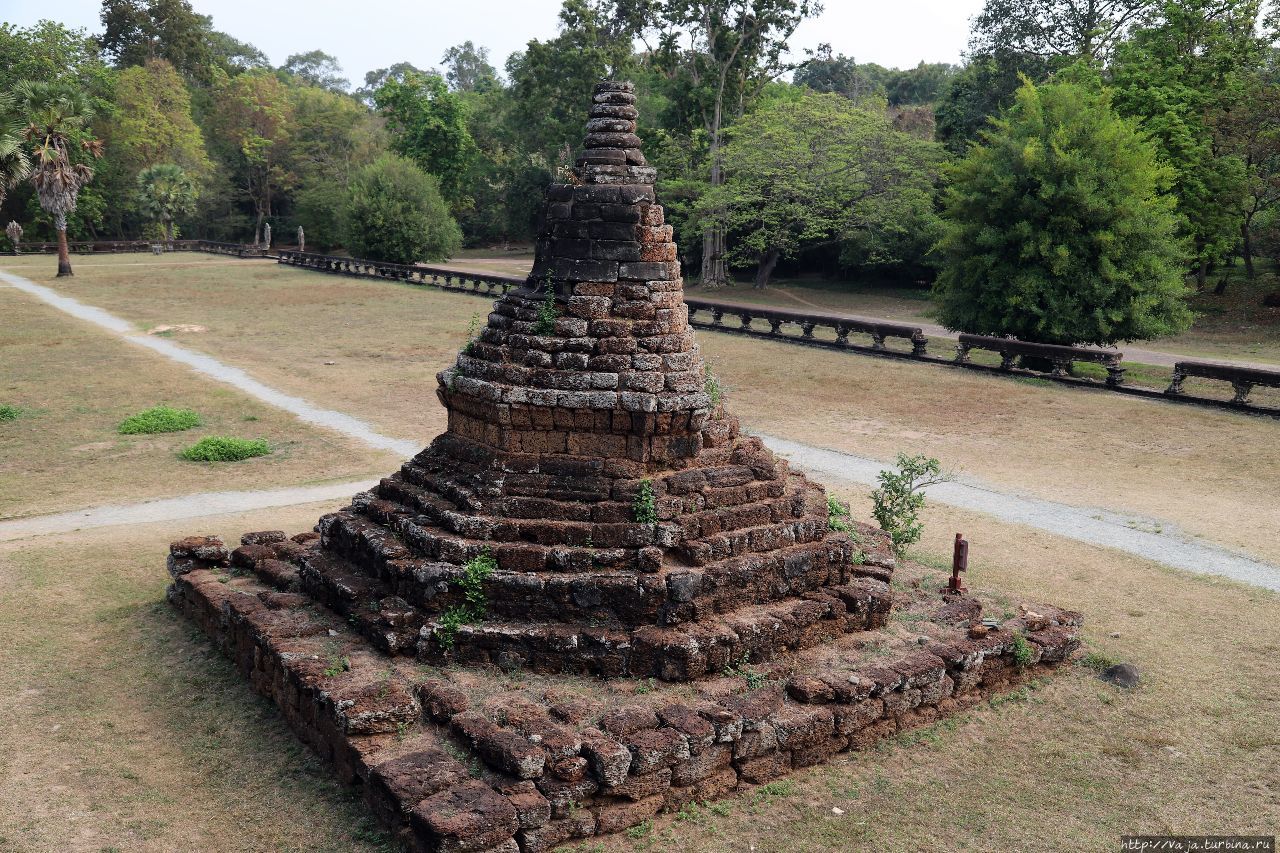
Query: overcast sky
x=376 y=33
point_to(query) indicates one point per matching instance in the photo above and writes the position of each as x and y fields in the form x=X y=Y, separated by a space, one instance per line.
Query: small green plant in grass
x=645 y=509
x=1022 y=652
x=777 y=788
x=9 y=413
x=898 y=501
x=1097 y=661
x=838 y=516
x=476 y=571
x=640 y=830
x=711 y=385
x=220 y=448
x=741 y=669
x=337 y=664
x=547 y=314
x=159 y=419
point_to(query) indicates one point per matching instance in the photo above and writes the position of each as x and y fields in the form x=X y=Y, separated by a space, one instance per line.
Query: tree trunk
x=64 y=254
x=257 y=229
x=764 y=268
x=1202 y=274
x=713 y=271
x=1246 y=249
x=1221 y=287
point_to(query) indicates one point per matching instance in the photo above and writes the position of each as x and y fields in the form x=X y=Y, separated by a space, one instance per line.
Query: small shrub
x=9 y=413
x=711 y=385
x=159 y=419
x=645 y=510
x=220 y=448
x=898 y=501
x=547 y=314
x=837 y=516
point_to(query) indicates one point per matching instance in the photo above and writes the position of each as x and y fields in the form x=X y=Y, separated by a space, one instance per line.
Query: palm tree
x=59 y=126
x=14 y=163
x=165 y=192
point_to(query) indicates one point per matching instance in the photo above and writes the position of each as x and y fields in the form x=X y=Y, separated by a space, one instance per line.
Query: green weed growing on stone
x=219 y=448
x=1022 y=652
x=898 y=501
x=474 y=573
x=645 y=510
x=159 y=419
x=838 y=516
x=711 y=385
x=473 y=333
x=546 y=322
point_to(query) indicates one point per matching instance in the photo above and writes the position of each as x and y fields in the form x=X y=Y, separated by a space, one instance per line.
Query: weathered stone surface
x=466 y=817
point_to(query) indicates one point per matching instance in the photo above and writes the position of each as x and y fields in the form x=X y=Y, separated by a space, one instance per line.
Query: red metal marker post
x=959 y=563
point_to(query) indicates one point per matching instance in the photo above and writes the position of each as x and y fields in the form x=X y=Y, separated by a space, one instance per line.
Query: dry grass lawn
x=75 y=383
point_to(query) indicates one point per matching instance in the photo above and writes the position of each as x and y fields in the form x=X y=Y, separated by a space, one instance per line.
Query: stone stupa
x=592 y=519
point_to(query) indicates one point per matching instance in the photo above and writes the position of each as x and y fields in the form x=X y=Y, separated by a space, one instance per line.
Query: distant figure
x=266 y=235
x=302 y=240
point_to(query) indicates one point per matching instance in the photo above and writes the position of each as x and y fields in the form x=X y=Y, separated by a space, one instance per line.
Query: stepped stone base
x=520 y=757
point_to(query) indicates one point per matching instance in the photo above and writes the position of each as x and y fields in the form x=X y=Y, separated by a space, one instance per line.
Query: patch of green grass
x=221 y=448
x=159 y=419
x=1096 y=661
x=1035 y=380
x=9 y=413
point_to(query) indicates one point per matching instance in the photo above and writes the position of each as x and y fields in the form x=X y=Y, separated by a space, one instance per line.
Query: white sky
x=376 y=33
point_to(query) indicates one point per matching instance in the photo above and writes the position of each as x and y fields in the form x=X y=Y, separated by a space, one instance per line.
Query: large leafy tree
x=428 y=124
x=467 y=68
x=1057 y=230
x=1055 y=29
x=394 y=212
x=1189 y=64
x=720 y=55
x=166 y=192
x=800 y=173
x=63 y=147
x=1251 y=132
x=317 y=68
x=15 y=165
x=252 y=122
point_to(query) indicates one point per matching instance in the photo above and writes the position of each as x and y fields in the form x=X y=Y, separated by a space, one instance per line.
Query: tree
x=1054 y=29
x=15 y=165
x=1189 y=63
x=165 y=192
x=373 y=80
x=428 y=124
x=467 y=68
x=253 y=118
x=58 y=129
x=1056 y=228
x=812 y=171
x=394 y=212
x=1251 y=132
x=723 y=53
x=317 y=68
x=135 y=31
x=824 y=72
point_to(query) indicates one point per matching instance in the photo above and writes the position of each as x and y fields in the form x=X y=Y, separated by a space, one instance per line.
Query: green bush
x=898 y=501
x=394 y=212
x=220 y=448
x=9 y=413
x=644 y=509
x=1057 y=228
x=159 y=419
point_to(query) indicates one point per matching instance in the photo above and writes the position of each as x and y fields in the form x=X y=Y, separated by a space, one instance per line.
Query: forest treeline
x=161 y=125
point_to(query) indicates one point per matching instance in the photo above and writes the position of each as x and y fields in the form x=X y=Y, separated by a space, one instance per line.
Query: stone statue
x=14 y=230
x=302 y=240
x=266 y=235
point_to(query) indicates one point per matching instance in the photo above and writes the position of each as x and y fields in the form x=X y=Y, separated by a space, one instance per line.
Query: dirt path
x=211 y=367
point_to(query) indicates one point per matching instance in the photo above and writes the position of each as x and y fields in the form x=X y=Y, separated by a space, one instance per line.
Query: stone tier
x=458 y=760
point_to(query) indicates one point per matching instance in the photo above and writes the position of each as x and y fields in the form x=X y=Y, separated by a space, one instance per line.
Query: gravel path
x=174 y=509
x=211 y=367
x=1131 y=534
x=1095 y=526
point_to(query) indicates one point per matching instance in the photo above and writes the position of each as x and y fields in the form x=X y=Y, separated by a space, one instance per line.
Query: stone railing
x=798 y=327
x=446 y=279
x=1063 y=358
x=111 y=247
x=238 y=250
x=1242 y=379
